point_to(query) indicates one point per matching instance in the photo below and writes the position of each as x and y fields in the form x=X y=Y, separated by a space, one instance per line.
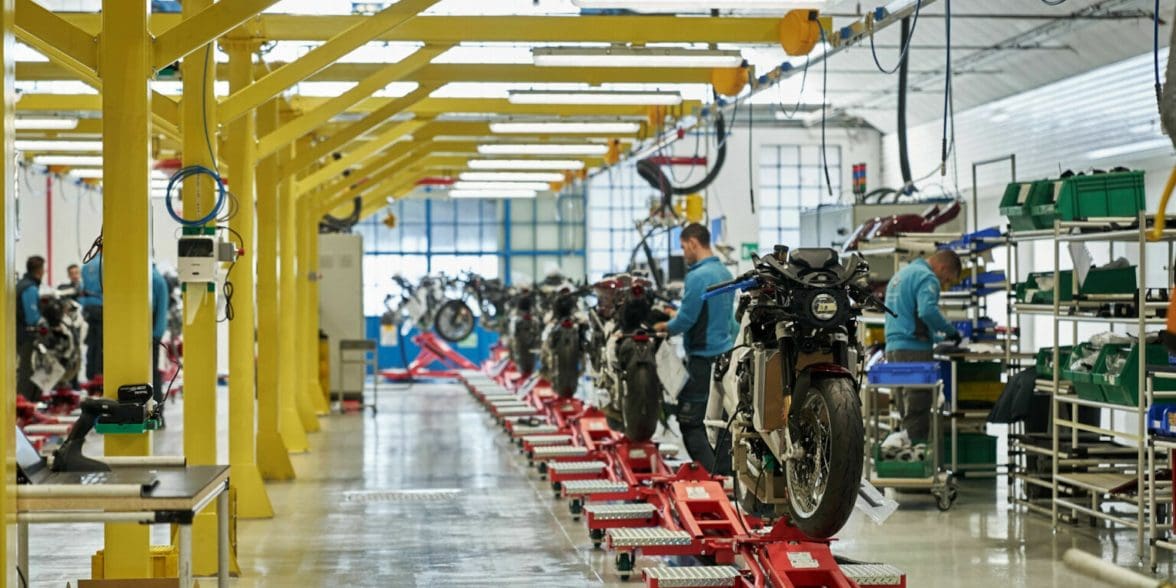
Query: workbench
x=180 y=494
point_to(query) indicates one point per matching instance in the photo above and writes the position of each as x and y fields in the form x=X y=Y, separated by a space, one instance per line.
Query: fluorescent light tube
x=622 y=56
x=560 y=128
x=511 y=177
x=88 y=173
x=556 y=164
x=78 y=160
x=595 y=97
x=493 y=193
x=543 y=149
x=46 y=124
x=538 y=186
x=697 y=5
x=59 y=146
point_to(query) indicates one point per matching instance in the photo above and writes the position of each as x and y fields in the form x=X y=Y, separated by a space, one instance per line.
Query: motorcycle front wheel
x=524 y=356
x=823 y=482
x=641 y=406
x=567 y=368
x=454 y=321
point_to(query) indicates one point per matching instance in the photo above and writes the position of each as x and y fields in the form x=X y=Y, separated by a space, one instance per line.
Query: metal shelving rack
x=1107 y=481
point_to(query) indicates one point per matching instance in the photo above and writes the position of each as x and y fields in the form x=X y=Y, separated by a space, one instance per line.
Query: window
x=791 y=178
x=543 y=235
x=616 y=200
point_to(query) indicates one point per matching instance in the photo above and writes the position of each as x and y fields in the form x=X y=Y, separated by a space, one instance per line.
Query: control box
x=197 y=260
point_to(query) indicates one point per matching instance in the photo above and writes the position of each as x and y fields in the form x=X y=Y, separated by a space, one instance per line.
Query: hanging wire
x=799 y=96
x=824 y=116
x=902 y=54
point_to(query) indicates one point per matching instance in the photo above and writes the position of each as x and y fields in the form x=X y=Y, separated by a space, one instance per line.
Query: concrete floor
x=431 y=493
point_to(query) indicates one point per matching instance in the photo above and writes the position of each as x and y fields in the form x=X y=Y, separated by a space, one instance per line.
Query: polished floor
x=430 y=493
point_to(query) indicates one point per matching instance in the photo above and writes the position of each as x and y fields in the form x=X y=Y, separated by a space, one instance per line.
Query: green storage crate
x=1081 y=379
x=1044 y=363
x=902 y=469
x=1015 y=205
x=1119 y=194
x=1117 y=372
x=1043 y=207
x=1119 y=280
x=975 y=449
x=1027 y=294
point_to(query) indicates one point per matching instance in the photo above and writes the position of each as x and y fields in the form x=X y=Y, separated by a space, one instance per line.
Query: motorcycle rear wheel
x=454 y=321
x=823 y=483
x=567 y=367
x=641 y=406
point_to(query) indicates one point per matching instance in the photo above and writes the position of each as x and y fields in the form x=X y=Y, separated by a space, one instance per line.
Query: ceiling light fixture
x=623 y=56
x=46 y=124
x=511 y=177
x=538 y=164
x=59 y=146
x=595 y=97
x=86 y=173
x=697 y=5
x=565 y=128
x=74 y=160
x=493 y=193
x=543 y=149
x=538 y=186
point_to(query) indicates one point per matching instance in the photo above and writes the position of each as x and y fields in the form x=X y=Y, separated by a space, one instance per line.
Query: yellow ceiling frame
x=204 y=27
x=396 y=132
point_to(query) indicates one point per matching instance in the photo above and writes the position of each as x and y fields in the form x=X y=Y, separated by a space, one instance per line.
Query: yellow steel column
x=7 y=297
x=307 y=350
x=273 y=458
x=126 y=116
x=291 y=423
x=200 y=303
x=252 y=500
x=310 y=312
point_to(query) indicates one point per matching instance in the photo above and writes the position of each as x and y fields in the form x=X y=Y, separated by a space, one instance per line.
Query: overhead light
x=46 y=124
x=62 y=146
x=543 y=149
x=697 y=5
x=558 y=164
x=561 y=128
x=88 y=173
x=595 y=97
x=75 y=160
x=1129 y=148
x=511 y=177
x=623 y=56
x=493 y=193
x=539 y=186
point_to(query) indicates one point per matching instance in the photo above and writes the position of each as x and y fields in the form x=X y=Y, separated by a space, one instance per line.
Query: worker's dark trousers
x=691 y=413
x=914 y=404
x=24 y=372
x=93 y=316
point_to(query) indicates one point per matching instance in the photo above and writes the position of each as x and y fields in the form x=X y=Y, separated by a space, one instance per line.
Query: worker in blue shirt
x=159 y=307
x=28 y=319
x=707 y=329
x=91 y=301
x=913 y=295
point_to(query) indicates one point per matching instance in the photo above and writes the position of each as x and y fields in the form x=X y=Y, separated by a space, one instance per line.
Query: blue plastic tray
x=910 y=373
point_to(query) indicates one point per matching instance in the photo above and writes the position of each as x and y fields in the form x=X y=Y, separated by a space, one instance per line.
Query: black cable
x=905 y=45
x=1053 y=2
x=1156 y=52
x=751 y=175
x=799 y=95
x=904 y=161
x=824 y=116
x=23 y=581
x=179 y=366
x=946 y=88
x=204 y=108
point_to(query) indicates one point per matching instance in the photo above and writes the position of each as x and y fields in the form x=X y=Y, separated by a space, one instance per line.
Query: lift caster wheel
x=597 y=536
x=945 y=498
x=555 y=487
x=624 y=565
x=576 y=507
x=542 y=467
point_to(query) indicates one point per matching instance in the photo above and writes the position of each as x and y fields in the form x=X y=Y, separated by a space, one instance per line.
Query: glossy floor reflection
x=430 y=493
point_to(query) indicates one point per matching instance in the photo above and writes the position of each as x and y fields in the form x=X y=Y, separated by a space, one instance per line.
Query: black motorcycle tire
x=846 y=450
x=567 y=368
x=446 y=322
x=641 y=406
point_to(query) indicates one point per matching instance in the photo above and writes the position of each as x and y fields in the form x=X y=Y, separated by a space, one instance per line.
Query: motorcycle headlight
x=823 y=307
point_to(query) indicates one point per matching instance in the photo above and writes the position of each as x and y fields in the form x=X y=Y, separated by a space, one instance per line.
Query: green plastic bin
x=1119 y=194
x=1015 y=205
x=902 y=469
x=1119 y=280
x=1083 y=379
x=1027 y=294
x=1044 y=364
x=1117 y=372
x=975 y=449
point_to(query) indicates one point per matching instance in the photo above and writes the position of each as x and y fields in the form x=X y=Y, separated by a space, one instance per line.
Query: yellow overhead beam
x=385 y=139
x=345 y=41
x=56 y=38
x=340 y=138
x=202 y=28
x=436 y=106
x=321 y=114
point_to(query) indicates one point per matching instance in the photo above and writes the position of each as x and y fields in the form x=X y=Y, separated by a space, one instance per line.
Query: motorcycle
x=524 y=329
x=786 y=394
x=57 y=351
x=563 y=348
x=625 y=365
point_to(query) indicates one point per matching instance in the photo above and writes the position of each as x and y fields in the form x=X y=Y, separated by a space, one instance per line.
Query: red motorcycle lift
x=433 y=350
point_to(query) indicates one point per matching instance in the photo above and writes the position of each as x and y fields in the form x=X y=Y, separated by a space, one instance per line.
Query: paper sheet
x=671 y=371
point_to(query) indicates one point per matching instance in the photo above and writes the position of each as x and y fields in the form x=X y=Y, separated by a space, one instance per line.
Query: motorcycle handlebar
x=729 y=286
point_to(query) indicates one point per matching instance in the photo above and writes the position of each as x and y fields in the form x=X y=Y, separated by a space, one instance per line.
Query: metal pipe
x=1107 y=572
